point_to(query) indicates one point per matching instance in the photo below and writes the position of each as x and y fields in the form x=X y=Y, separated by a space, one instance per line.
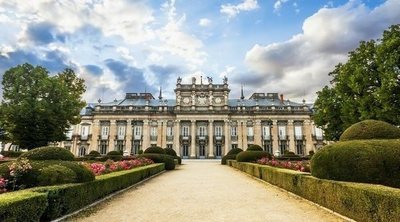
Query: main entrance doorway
x=218 y=150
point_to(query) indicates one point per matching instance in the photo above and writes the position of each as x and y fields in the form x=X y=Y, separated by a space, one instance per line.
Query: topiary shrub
x=83 y=174
x=161 y=158
x=228 y=157
x=114 y=152
x=48 y=153
x=170 y=151
x=366 y=161
x=94 y=153
x=234 y=151
x=56 y=174
x=254 y=147
x=370 y=129
x=252 y=156
x=179 y=159
x=114 y=155
x=11 y=153
x=155 y=149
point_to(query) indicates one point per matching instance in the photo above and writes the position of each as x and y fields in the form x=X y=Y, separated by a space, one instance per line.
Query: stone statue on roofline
x=225 y=79
x=193 y=80
x=179 y=80
x=210 y=80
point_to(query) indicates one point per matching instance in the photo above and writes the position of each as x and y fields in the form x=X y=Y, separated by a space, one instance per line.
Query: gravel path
x=206 y=191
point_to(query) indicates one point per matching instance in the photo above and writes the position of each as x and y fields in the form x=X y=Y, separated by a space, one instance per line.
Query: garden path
x=206 y=191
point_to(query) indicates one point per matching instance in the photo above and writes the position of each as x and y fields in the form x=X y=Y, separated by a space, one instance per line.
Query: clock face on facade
x=186 y=100
x=218 y=100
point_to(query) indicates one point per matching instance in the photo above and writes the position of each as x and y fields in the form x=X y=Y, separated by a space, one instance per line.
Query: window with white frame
x=105 y=132
x=103 y=147
x=266 y=132
x=121 y=132
x=298 y=132
x=84 y=131
x=202 y=131
x=250 y=131
x=153 y=131
x=137 y=132
x=233 y=131
x=169 y=131
x=218 y=130
x=82 y=151
x=68 y=134
x=185 y=131
x=318 y=133
x=282 y=132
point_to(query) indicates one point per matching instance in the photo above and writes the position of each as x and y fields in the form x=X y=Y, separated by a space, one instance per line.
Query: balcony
x=250 y=138
x=153 y=138
x=84 y=137
x=120 y=137
x=185 y=137
x=299 y=137
x=283 y=137
x=137 y=137
x=266 y=137
x=170 y=138
x=103 y=137
x=219 y=137
x=234 y=138
x=202 y=137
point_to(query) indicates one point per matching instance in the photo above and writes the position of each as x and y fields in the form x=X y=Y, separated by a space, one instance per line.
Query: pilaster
x=128 y=137
x=308 y=130
x=227 y=137
x=176 y=144
x=290 y=133
x=113 y=133
x=274 y=136
x=211 y=139
x=257 y=133
x=146 y=134
x=193 y=142
x=95 y=129
x=160 y=133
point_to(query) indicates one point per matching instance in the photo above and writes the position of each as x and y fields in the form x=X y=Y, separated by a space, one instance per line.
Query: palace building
x=202 y=121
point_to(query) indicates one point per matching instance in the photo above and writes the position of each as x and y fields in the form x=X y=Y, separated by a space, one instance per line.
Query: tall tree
x=367 y=86
x=38 y=108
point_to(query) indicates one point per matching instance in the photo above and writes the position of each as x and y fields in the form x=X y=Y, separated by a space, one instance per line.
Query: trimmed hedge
x=114 y=152
x=56 y=174
x=155 y=149
x=24 y=205
x=114 y=155
x=361 y=202
x=11 y=153
x=255 y=147
x=65 y=199
x=94 y=153
x=366 y=161
x=170 y=151
x=228 y=157
x=370 y=129
x=251 y=156
x=234 y=151
x=179 y=159
x=48 y=153
x=161 y=158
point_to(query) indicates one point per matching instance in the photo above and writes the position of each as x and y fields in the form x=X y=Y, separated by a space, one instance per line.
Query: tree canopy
x=38 y=108
x=367 y=86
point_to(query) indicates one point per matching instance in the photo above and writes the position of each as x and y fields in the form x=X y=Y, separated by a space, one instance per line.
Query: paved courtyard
x=206 y=191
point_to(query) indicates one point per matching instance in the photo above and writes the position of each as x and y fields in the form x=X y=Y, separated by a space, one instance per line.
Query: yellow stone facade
x=200 y=122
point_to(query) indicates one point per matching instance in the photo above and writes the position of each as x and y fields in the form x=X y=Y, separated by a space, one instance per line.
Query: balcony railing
x=219 y=137
x=153 y=138
x=234 y=138
x=137 y=137
x=170 y=138
x=266 y=137
x=104 y=137
x=120 y=137
x=298 y=137
x=184 y=137
x=202 y=137
x=284 y=137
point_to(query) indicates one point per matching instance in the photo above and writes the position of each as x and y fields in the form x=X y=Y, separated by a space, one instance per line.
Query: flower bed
x=109 y=166
x=302 y=166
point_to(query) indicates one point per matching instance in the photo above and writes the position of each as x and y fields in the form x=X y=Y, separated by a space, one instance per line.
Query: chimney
x=281 y=98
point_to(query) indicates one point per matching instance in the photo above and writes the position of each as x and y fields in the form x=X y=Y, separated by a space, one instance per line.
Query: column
x=128 y=138
x=274 y=136
x=210 y=139
x=146 y=135
x=290 y=132
x=111 y=137
x=240 y=135
x=227 y=135
x=308 y=130
x=164 y=134
x=95 y=136
x=160 y=126
x=177 y=134
x=258 y=133
x=193 y=141
x=244 y=131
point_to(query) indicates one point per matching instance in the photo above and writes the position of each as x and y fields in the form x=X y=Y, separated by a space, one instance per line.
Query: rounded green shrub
x=234 y=151
x=170 y=151
x=11 y=153
x=161 y=158
x=155 y=149
x=228 y=157
x=114 y=155
x=254 y=147
x=251 y=156
x=56 y=174
x=94 y=153
x=179 y=159
x=365 y=161
x=370 y=129
x=83 y=174
x=48 y=153
x=114 y=152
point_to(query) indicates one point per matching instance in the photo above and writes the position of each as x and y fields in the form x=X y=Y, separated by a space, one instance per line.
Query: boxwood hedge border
x=358 y=201
x=49 y=203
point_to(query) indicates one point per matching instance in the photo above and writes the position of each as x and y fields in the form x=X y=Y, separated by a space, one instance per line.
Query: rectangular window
x=103 y=147
x=268 y=146
x=104 y=132
x=169 y=131
x=185 y=131
x=68 y=134
x=153 y=131
x=84 y=132
x=300 y=148
x=266 y=131
x=282 y=132
x=298 y=134
x=233 y=131
x=121 y=132
x=120 y=145
x=202 y=131
x=218 y=131
x=250 y=131
x=318 y=133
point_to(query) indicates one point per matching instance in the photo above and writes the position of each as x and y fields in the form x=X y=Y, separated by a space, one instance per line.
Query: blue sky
x=284 y=46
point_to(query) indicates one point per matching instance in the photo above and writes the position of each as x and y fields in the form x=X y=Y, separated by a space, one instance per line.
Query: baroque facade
x=201 y=122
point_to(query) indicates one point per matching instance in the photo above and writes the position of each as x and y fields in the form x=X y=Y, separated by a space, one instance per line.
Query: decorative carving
x=179 y=80
x=218 y=100
x=210 y=80
x=186 y=100
x=193 y=80
x=225 y=79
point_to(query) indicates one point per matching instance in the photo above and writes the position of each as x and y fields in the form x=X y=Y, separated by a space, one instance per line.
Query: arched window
x=82 y=151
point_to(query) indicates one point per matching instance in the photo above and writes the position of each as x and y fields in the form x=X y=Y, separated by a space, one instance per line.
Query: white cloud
x=278 y=4
x=233 y=10
x=204 y=22
x=303 y=62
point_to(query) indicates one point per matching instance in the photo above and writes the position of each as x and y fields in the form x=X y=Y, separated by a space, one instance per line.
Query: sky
x=283 y=46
